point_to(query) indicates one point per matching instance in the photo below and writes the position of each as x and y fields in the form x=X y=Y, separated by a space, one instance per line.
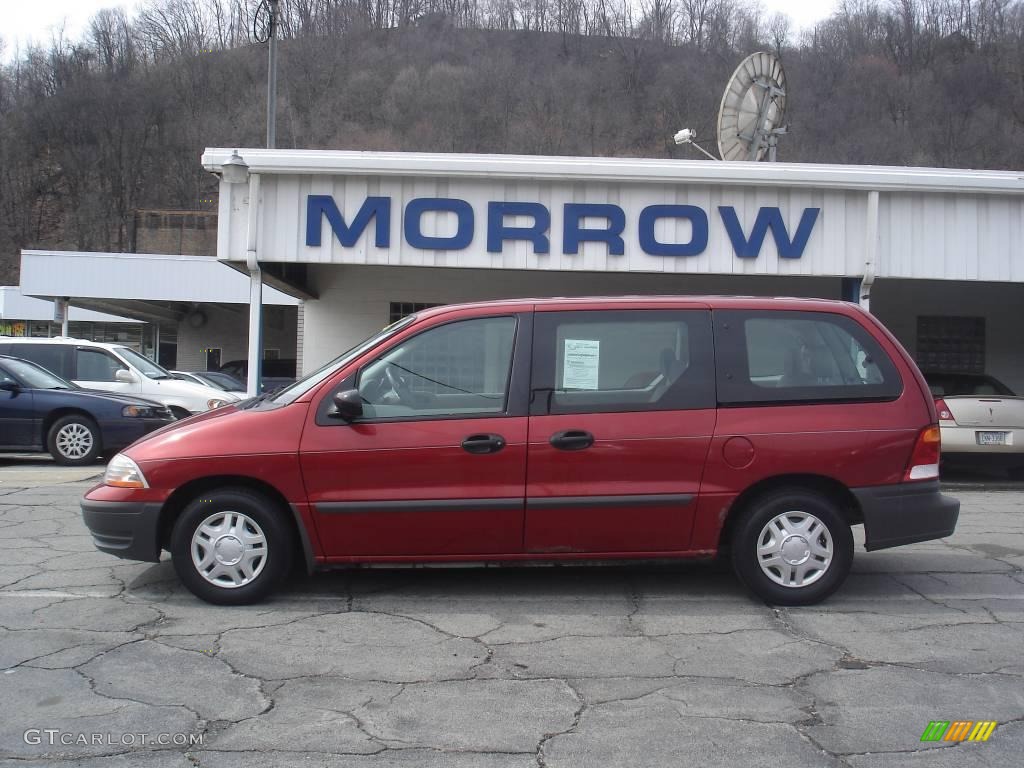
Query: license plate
x=991 y=438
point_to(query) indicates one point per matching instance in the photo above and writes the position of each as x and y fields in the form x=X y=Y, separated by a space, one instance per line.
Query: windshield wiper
x=255 y=400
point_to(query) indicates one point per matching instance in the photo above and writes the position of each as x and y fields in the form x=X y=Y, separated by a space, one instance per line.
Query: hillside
x=91 y=130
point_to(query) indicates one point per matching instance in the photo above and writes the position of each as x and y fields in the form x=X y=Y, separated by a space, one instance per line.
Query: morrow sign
x=577 y=228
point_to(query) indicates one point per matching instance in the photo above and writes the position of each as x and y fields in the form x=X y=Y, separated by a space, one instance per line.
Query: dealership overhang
x=154 y=288
x=15 y=306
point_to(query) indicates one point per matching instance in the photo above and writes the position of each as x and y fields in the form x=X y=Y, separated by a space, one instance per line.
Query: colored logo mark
x=959 y=730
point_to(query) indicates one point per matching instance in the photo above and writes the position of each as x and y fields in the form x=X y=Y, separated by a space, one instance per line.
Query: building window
x=399 y=309
x=951 y=344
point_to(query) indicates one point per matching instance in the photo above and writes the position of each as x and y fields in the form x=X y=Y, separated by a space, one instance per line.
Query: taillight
x=924 y=460
x=944 y=413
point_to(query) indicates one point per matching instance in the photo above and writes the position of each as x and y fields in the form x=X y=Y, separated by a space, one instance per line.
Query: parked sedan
x=43 y=412
x=214 y=379
x=981 y=420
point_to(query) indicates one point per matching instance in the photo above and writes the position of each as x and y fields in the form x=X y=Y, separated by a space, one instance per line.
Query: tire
x=74 y=440
x=178 y=412
x=786 y=573
x=232 y=546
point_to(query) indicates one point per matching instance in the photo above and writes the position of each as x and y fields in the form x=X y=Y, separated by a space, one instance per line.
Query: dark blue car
x=42 y=412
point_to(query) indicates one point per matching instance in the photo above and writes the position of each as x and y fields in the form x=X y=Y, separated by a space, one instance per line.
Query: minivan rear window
x=52 y=357
x=773 y=356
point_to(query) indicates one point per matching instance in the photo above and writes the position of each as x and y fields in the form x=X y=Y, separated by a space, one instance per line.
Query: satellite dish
x=753 y=106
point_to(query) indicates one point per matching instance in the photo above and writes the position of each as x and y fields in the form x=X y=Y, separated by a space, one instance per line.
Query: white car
x=981 y=421
x=116 y=368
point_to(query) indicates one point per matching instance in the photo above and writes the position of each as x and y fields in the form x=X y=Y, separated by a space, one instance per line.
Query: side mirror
x=124 y=376
x=9 y=386
x=348 y=405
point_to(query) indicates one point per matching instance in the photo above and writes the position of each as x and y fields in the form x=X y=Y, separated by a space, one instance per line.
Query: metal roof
x=16 y=306
x=138 y=277
x=619 y=169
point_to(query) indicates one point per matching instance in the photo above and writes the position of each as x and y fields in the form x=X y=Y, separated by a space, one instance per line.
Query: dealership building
x=367 y=237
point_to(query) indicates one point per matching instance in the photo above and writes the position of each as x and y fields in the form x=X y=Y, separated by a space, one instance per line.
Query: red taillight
x=944 y=413
x=924 y=460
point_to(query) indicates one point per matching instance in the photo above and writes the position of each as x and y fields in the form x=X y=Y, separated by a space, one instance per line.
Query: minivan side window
x=622 y=360
x=52 y=357
x=96 y=365
x=767 y=356
x=457 y=369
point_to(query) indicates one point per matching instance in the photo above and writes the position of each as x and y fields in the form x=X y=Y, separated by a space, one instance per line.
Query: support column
x=870 y=251
x=254 y=370
x=60 y=314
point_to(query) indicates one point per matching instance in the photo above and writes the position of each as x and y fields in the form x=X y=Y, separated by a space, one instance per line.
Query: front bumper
x=120 y=433
x=906 y=513
x=128 y=529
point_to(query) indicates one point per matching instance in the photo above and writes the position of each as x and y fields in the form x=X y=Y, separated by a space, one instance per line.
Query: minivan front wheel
x=231 y=547
x=792 y=547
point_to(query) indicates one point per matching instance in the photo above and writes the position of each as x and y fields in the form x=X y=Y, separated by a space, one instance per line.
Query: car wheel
x=179 y=413
x=792 y=547
x=231 y=546
x=74 y=440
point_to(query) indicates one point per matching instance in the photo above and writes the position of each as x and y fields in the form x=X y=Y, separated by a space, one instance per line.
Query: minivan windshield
x=149 y=369
x=302 y=386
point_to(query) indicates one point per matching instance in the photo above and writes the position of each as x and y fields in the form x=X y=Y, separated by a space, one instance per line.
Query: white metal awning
x=16 y=306
x=155 y=288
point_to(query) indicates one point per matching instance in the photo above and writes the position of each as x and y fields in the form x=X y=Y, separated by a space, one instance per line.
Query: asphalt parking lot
x=617 y=666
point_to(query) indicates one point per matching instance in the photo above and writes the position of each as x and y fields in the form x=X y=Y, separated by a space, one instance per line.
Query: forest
x=92 y=129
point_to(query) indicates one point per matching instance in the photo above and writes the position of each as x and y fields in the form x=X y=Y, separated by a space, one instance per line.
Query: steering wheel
x=399 y=385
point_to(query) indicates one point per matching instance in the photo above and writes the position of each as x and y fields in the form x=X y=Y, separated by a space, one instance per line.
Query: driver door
x=17 y=414
x=437 y=463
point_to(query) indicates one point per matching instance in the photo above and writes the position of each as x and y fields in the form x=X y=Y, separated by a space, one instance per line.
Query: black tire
x=269 y=520
x=751 y=526
x=69 y=436
x=179 y=413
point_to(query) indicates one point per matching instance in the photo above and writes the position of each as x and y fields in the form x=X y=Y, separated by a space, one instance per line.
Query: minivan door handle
x=572 y=440
x=483 y=443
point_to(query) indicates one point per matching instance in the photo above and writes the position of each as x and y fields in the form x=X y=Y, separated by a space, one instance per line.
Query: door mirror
x=348 y=405
x=124 y=376
x=8 y=385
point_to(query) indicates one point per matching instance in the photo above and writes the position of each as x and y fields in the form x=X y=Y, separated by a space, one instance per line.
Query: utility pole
x=255 y=357
x=272 y=76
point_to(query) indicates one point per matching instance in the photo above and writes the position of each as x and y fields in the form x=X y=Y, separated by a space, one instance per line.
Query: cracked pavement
x=647 y=665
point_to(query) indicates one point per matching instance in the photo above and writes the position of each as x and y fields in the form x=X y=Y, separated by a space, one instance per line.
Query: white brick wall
x=354 y=300
x=228 y=329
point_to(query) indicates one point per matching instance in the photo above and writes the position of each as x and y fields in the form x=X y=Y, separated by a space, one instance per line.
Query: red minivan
x=553 y=429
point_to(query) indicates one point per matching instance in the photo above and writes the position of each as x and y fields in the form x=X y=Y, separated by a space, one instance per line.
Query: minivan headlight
x=122 y=472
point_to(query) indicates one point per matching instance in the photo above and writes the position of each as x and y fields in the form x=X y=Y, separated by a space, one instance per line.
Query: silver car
x=981 y=421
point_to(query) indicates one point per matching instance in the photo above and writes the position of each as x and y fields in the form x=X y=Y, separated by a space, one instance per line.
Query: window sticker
x=580 y=363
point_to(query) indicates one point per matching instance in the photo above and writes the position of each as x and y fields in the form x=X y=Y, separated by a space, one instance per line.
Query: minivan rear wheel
x=231 y=546
x=792 y=547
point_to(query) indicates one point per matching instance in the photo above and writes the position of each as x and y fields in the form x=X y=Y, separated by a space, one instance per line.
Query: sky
x=22 y=21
